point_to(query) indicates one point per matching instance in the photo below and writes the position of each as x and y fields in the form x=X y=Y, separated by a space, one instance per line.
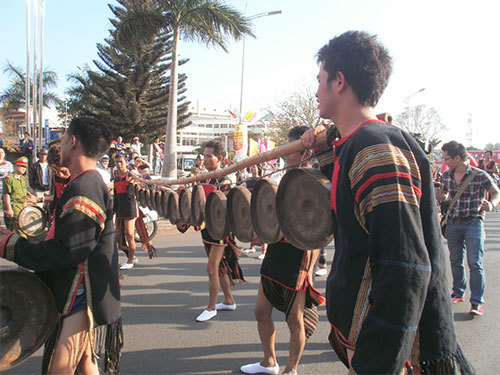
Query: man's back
x=391 y=244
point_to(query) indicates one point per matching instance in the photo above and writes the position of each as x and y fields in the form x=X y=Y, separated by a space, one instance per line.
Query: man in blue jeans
x=465 y=230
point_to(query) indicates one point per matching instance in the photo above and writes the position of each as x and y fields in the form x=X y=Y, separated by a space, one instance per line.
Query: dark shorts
x=205 y=236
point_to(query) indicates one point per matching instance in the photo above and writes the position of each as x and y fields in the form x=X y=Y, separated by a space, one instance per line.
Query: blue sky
x=450 y=48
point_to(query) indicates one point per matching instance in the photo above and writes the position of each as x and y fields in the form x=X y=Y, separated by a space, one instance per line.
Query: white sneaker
x=257 y=368
x=321 y=272
x=136 y=260
x=206 y=315
x=248 y=251
x=126 y=266
x=223 y=306
x=261 y=256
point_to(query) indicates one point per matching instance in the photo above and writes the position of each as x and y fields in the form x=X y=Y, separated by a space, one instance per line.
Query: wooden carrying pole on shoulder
x=275 y=153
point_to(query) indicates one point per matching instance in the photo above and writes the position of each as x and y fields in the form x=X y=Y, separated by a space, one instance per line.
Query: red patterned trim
x=74 y=289
x=6 y=239
x=345 y=342
x=381 y=176
x=335 y=180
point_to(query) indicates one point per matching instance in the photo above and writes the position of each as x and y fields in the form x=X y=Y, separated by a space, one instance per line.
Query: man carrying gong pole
x=287 y=284
x=388 y=297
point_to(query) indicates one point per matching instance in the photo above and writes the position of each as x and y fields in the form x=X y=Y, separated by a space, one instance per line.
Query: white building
x=209 y=123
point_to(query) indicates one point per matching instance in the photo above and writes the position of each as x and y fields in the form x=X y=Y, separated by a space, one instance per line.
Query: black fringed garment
x=83 y=250
x=387 y=295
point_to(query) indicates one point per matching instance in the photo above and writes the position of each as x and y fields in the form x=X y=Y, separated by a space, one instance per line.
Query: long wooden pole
x=278 y=152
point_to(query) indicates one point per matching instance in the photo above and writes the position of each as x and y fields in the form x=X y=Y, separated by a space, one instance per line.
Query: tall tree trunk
x=170 y=153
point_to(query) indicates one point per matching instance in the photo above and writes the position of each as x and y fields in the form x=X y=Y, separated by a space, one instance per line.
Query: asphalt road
x=161 y=299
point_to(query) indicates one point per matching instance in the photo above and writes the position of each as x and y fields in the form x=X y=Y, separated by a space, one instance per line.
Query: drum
x=263 y=211
x=173 y=208
x=303 y=208
x=33 y=221
x=28 y=315
x=185 y=205
x=215 y=215
x=239 y=214
x=198 y=201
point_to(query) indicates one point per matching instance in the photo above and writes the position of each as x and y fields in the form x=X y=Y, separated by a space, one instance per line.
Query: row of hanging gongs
x=298 y=209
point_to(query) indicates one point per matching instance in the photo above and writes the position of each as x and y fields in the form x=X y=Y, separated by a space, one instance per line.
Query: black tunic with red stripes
x=83 y=250
x=387 y=293
x=124 y=206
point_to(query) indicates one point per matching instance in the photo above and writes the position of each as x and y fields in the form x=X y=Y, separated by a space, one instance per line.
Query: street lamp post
x=407 y=102
x=259 y=15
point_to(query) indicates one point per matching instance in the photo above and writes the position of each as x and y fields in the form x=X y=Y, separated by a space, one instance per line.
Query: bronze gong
x=142 y=197
x=215 y=215
x=163 y=209
x=28 y=316
x=137 y=189
x=149 y=198
x=198 y=205
x=131 y=190
x=263 y=211
x=157 y=200
x=239 y=214
x=32 y=220
x=303 y=208
x=185 y=205
x=173 y=208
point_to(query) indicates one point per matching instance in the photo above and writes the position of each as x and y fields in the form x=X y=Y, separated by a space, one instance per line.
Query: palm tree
x=14 y=97
x=206 y=21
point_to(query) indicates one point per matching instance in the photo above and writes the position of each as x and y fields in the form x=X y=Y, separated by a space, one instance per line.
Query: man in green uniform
x=16 y=194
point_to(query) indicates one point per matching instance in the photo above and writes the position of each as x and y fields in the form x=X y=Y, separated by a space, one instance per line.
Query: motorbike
x=151 y=221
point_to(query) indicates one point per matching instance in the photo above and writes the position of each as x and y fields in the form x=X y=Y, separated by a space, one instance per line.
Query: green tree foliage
x=14 y=97
x=207 y=21
x=131 y=86
x=297 y=108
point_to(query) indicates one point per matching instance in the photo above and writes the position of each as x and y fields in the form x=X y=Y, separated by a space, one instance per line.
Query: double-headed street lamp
x=259 y=15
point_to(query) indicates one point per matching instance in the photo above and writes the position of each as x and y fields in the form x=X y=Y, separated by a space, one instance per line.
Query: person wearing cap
x=103 y=169
x=16 y=195
x=199 y=167
x=135 y=146
x=27 y=146
x=39 y=176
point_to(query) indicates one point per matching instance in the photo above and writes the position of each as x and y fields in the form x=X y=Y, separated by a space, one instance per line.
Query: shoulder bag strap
x=466 y=183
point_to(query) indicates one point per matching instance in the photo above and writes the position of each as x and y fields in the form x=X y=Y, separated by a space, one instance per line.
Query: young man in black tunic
x=222 y=267
x=387 y=293
x=287 y=284
x=80 y=263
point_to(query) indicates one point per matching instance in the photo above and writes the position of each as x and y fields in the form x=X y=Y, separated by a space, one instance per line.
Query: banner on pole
x=240 y=141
